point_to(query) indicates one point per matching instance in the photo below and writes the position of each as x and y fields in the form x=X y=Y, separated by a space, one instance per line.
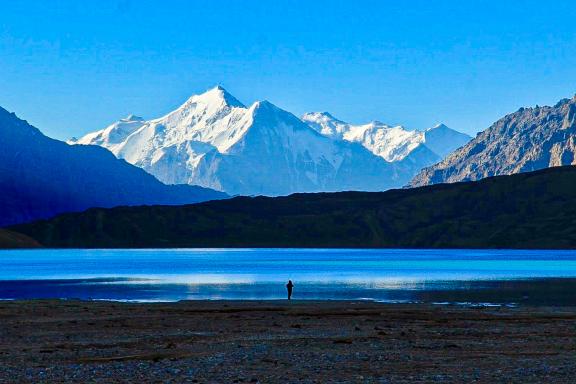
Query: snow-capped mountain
x=213 y=140
x=393 y=143
x=114 y=134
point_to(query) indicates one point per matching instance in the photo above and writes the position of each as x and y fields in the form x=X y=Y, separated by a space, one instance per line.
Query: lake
x=484 y=277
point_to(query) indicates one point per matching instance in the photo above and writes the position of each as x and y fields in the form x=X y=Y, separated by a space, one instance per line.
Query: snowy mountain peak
x=326 y=124
x=132 y=117
x=393 y=143
x=388 y=142
x=266 y=107
x=216 y=96
x=377 y=123
x=325 y=116
x=113 y=134
x=263 y=104
x=320 y=116
x=438 y=126
x=443 y=140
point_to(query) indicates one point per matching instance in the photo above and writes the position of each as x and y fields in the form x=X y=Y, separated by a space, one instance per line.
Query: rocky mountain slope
x=529 y=210
x=526 y=140
x=41 y=177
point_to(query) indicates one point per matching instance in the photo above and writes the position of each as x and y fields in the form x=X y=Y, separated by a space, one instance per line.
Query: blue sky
x=70 y=67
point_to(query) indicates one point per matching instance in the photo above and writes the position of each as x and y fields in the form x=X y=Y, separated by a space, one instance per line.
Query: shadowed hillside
x=530 y=210
x=9 y=239
x=41 y=177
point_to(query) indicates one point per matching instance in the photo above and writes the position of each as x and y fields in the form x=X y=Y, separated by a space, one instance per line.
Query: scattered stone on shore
x=246 y=342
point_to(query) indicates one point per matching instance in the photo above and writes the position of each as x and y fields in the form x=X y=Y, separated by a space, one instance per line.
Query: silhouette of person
x=289 y=288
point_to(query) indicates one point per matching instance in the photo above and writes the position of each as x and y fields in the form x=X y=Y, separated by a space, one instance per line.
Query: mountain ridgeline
x=41 y=177
x=393 y=143
x=526 y=140
x=215 y=141
x=12 y=240
x=528 y=210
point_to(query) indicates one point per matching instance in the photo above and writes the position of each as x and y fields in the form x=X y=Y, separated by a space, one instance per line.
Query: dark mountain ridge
x=9 y=239
x=528 y=210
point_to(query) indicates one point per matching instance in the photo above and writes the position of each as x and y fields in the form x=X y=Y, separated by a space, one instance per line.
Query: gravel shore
x=48 y=341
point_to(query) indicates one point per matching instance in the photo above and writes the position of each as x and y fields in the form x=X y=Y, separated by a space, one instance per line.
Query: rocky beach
x=72 y=341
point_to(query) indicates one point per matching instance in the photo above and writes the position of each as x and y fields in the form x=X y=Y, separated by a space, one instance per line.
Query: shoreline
x=284 y=342
x=511 y=292
x=319 y=303
x=247 y=247
x=279 y=301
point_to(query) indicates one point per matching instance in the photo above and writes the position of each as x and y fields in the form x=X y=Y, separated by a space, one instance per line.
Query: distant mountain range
x=526 y=140
x=41 y=177
x=213 y=140
x=393 y=143
x=529 y=210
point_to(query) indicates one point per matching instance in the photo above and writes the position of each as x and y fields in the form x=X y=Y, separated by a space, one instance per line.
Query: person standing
x=289 y=287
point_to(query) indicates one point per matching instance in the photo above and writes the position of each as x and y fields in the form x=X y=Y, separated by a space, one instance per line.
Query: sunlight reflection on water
x=339 y=274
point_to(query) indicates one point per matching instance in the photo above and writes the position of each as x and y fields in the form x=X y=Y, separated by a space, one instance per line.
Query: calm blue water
x=497 y=276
